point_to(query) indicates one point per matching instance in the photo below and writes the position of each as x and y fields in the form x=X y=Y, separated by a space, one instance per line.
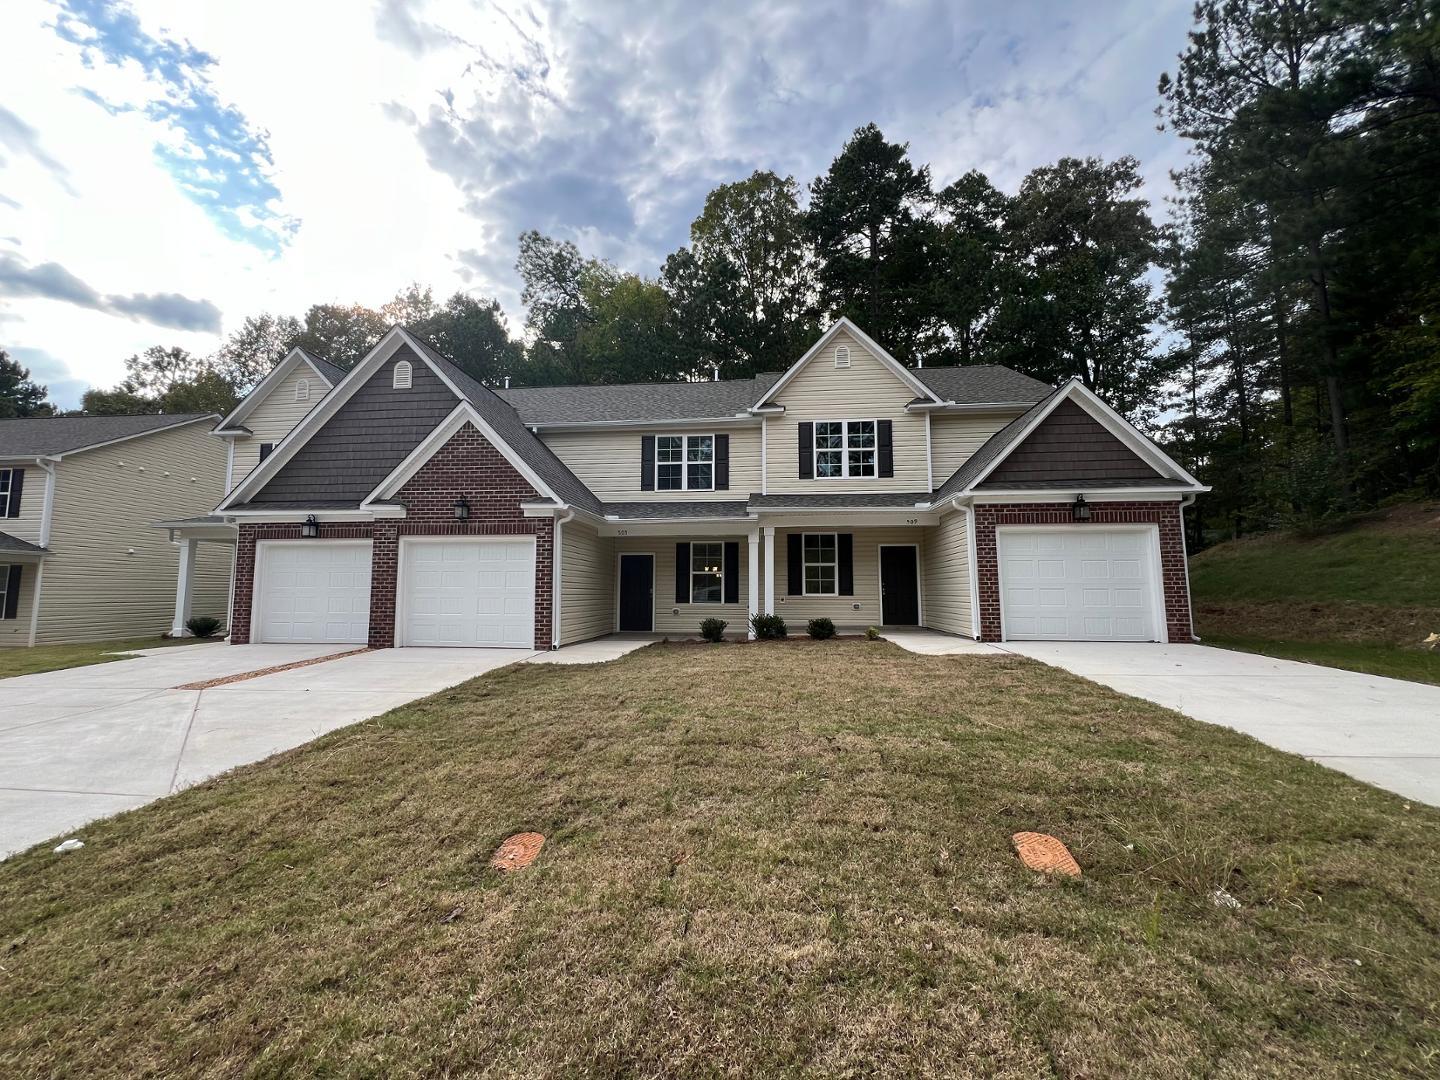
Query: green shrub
x=872 y=633
x=713 y=629
x=203 y=625
x=820 y=629
x=768 y=627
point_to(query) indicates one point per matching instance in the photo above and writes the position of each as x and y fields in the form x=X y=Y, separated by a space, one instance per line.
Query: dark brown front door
x=899 y=586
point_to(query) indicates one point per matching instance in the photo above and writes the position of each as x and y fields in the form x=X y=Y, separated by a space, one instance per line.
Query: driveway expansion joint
x=243 y=676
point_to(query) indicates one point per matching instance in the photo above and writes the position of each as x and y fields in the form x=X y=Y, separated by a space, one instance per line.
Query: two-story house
x=79 y=558
x=414 y=506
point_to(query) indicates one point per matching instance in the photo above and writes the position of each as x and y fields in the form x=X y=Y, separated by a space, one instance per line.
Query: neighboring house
x=414 y=506
x=79 y=558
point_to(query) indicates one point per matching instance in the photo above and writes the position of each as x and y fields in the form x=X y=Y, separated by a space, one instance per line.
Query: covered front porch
x=187 y=534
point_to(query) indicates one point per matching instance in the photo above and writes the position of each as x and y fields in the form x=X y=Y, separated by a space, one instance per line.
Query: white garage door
x=1085 y=584
x=313 y=590
x=477 y=591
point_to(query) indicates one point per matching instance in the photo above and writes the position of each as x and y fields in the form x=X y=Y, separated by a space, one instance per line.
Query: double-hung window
x=821 y=559
x=707 y=568
x=845 y=448
x=685 y=463
x=6 y=479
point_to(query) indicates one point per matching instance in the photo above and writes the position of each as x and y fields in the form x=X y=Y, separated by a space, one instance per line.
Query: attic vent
x=302 y=390
x=842 y=356
x=402 y=375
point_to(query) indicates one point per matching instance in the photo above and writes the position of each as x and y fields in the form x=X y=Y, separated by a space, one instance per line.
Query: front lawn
x=55 y=657
x=771 y=858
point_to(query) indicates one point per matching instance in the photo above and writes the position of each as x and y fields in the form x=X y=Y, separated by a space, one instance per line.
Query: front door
x=637 y=593
x=899 y=586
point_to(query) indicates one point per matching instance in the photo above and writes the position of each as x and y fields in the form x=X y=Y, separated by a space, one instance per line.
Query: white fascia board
x=843 y=323
x=317 y=417
x=128 y=438
x=923 y=506
x=278 y=374
x=463 y=413
x=980 y=407
x=242 y=516
x=1093 y=495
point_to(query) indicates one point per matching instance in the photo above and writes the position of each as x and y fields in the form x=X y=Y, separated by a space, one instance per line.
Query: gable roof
x=327 y=372
x=54 y=436
x=1000 y=445
x=983 y=384
x=637 y=402
x=901 y=372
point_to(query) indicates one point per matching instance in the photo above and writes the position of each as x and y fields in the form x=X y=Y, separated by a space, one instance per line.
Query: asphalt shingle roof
x=888 y=498
x=982 y=384
x=45 y=435
x=991 y=449
x=15 y=544
x=675 y=509
x=637 y=401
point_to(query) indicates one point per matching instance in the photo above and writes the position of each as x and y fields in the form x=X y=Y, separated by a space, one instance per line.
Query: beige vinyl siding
x=32 y=503
x=797 y=610
x=16 y=632
x=608 y=462
x=954 y=437
x=946 y=573
x=683 y=620
x=274 y=417
x=866 y=390
x=111 y=573
x=587 y=583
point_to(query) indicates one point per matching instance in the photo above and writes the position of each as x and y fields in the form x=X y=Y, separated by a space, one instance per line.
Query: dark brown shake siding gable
x=1069 y=446
x=467 y=465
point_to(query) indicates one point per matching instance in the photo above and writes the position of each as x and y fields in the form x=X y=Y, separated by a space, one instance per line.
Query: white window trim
x=685 y=461
x=804 y=582
x=9 y=476
x=696 y=573
x=403 y=376
x=4 y=596
x=845 y=473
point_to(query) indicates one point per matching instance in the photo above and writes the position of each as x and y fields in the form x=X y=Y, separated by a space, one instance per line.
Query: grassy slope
x=1362 y=596
x=788 y=857
x=55 y=657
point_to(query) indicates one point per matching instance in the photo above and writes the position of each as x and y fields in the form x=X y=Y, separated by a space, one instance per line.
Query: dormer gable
x=844 y=355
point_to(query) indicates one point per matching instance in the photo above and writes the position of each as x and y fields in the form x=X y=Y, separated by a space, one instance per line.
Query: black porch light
x=462 y=509
x=1080 y=509
x=310 y=528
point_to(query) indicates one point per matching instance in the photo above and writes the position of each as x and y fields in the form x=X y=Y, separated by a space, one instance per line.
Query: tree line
x=1278 y=331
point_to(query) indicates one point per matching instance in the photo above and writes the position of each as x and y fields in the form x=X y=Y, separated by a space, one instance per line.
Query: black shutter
x=647 y=463
x=796 y=565
x=722 y=462
x=807 y=451
x=732 y=572
x=885 y=458
x=12 y=592
x=265 y=449
x=17 y=481
x=682 y=573
x=845 y=546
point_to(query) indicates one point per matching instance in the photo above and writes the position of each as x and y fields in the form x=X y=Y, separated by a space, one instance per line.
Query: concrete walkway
x=1383 y=731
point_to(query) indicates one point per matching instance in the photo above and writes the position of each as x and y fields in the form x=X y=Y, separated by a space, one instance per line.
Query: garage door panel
x=313 y=591
x=1091 y=584
x=467 y=592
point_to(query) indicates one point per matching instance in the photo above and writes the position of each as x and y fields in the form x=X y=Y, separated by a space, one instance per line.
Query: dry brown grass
x=759 y=859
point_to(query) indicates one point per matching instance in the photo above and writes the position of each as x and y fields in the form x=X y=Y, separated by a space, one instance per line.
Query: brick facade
x=1166 y=515
x=466 y=465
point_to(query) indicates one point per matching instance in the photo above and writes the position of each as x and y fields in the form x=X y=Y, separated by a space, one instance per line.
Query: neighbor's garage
x=467 y=591
x=1081 y=583
x=312 y=591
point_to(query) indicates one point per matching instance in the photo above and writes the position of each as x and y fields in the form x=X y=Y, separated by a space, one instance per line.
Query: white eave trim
x=463 y=413
x=278 y=374
x=736 y=420
x=900 y=371
x=319 y=514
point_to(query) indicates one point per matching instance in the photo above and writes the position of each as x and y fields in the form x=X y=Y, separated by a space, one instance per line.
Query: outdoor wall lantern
x=462 y=509
x=1080 y=510
x=310 y=528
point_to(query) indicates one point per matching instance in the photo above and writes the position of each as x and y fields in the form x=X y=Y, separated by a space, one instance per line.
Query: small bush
x=713 y=629
x=768 y=627
x=203 y=626
x=872 y=633
x=820 y=629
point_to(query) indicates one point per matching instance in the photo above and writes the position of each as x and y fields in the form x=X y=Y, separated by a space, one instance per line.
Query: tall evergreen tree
x=20 y=396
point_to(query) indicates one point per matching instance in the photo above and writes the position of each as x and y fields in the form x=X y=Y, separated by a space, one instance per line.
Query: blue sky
x=168 y=167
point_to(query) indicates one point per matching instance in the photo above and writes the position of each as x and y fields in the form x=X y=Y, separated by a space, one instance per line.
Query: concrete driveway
x=1383 y=731
x=87 y=742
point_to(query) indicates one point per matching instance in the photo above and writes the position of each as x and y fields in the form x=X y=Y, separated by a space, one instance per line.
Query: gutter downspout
x=1185 y=501
x=969 y=509
x=556 y=555
x=47 y=513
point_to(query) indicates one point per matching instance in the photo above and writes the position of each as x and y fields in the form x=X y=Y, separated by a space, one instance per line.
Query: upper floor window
x=684 y=462
x=302 y=390
x=402 y=375
x=7 y=480
x=842 y=356
x=707 y=567
x=845 y=448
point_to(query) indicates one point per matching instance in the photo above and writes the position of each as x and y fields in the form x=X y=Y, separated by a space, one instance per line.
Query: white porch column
x=184 y=587
x=769 y=569
x=754 y=599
